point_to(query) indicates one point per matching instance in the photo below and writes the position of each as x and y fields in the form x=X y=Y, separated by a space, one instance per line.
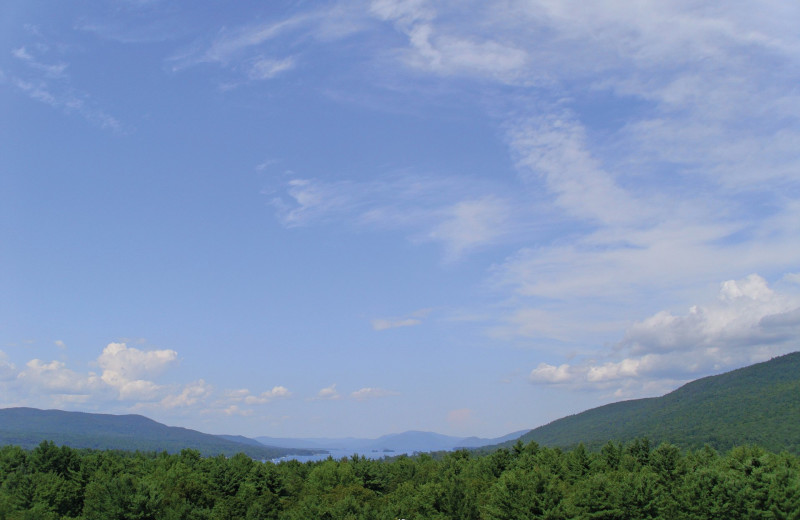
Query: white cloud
x=52 y=71
x=125 y=376
x=124 y=369
x=792 y=277
x=440 y=50
x=8 y=371
x=51 y=85
x=132 y=363
x=236 y=410
x=471 y=223
x=328 y=393
x=406 y=12
x=266 y=68
x=749 y=322
x=230 y=43
x=192 y=394
x=277 y=392
x=546 y=373
x=748 y=314
x=54 y=378
x=366 y=393
x=446 y=210
x=385 y=324
x=532 y=322
x=554 y=148
x=413 y=319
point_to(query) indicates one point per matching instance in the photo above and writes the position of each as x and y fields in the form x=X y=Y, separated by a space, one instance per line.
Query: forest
x=525 y=481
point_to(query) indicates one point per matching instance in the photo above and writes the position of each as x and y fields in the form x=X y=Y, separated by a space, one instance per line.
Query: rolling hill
x=27 y=427
x=758 y=404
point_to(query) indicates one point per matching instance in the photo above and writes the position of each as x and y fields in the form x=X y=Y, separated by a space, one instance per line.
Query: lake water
x=339 y=454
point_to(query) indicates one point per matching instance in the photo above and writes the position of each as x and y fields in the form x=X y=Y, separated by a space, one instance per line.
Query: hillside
x=27 y=427
x=757 y=404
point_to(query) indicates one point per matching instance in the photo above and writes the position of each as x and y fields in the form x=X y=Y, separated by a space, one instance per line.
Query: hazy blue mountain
x=27 y=427
x=477 y=442
x=241 y=439
x=758 y=404
x=406 y=442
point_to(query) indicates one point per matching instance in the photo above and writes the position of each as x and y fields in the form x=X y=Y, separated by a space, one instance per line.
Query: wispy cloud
x=442 y=50
x=385 y=324
x=231 y=43
x=50 y=84
x=411 y=320
x=641 y=137
x=49 y=70
x=266 y=68
x=366 y=393
x=452 y=211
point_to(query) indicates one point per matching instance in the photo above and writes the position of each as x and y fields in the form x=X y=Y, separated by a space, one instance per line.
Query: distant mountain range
x=407 y=442
x=758 y=404
x=27 y=427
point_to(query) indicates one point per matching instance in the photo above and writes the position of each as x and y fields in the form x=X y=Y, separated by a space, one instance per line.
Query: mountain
x=406 y=442
x=27 y=427
x=758 y=404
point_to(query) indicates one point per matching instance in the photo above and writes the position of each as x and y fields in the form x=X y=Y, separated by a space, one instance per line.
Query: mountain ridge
x=756 y=404
x=405 y=442
x=27 y=427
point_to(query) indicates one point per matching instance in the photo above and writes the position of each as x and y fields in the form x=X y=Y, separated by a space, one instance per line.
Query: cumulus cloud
x=8 y=371
x=131 y=363
x=124 y=368
x=328 y=393
x=126 y=376
x=747 y=314
x=749 y=322
x=546 y=373
x=277 y=392
x=54 y=377
x=191 y=395
x=236 y=410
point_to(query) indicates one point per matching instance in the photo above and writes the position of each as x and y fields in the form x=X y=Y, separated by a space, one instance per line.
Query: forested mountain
x=758 y=404
x=27 y=427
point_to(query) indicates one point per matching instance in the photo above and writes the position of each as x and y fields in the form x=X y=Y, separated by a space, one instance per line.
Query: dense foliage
x=524 y=482
x=758 y=404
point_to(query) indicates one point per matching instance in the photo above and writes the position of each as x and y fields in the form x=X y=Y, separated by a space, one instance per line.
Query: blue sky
x=358 y=218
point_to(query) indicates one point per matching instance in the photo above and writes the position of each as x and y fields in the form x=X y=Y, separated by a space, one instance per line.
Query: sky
x=356 y=218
